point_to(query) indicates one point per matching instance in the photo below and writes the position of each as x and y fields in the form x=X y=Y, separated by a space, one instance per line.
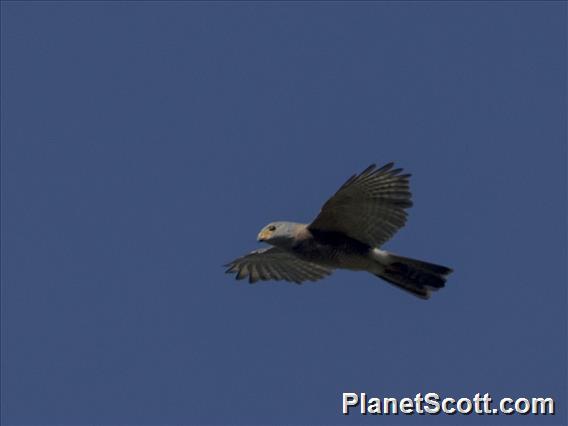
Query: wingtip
x=386 y=167
x=445 y=275
x=371 y=167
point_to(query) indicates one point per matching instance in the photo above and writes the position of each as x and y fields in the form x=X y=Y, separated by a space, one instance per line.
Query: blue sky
x=145 y=144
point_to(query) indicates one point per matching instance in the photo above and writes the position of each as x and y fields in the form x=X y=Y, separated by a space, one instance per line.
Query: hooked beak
x=263 y=236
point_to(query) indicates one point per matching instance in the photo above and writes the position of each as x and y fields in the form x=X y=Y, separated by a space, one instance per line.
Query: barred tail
x=415 y=276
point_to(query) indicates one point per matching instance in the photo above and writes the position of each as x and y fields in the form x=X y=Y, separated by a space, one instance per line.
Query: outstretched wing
x=276 y=264
x=369 y=207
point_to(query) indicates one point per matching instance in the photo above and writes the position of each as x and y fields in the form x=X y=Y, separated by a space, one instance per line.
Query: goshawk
x=351 y=226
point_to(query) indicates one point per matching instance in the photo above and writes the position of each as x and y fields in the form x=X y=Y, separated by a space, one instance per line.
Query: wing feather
x=368 y=207
x=276 y=264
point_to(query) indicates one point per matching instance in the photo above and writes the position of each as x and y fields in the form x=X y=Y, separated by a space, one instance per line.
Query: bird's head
x=277 y=234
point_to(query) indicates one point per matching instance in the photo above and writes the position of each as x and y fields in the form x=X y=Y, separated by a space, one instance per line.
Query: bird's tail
x=415 y=276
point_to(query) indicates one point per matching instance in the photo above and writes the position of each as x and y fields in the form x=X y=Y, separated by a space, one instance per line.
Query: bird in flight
x=347 y=234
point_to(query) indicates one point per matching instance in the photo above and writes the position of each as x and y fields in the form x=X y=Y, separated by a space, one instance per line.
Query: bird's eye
x=272 y=228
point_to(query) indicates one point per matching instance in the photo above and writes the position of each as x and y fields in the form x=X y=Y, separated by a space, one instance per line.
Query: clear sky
x=145 y=144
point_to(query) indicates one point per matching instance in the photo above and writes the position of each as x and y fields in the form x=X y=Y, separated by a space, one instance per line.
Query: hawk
x=347 y=234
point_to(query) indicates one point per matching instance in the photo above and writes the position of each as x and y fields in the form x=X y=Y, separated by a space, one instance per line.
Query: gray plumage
x=362 y=215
